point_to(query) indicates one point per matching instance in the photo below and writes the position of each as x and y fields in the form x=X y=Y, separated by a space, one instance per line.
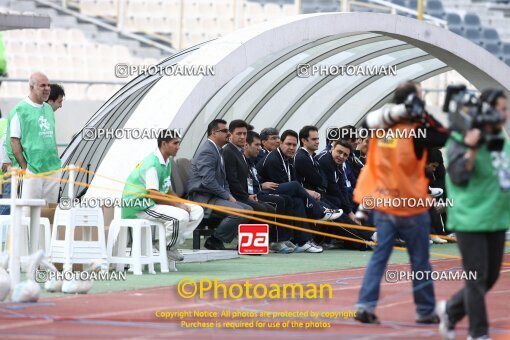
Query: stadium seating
x=208 y=19
x=202 y=20
x=454 y=22
x=435 y=8
x=474 y=35
x=490 y=35
x=58 y=52
x=472 y=21
x=493 y=48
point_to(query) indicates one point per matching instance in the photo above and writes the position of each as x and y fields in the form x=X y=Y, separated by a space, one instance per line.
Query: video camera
x=466 y=111
x=415 y=107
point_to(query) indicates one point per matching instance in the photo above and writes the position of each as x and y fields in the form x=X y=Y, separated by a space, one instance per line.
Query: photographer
x=478 y=161
x=395 y=170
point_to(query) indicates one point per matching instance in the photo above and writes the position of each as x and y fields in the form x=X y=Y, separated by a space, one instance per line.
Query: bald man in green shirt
x=31 y=140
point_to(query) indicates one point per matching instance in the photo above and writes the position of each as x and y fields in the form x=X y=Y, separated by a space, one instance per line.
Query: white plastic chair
x=5 y=222
x=69 y=250
x=141 y=248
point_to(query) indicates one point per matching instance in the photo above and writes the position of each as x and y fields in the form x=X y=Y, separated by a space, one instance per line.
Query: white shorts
x=36 y=187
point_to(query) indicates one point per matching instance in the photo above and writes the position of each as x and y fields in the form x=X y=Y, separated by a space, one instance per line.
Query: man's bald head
x=39 y=87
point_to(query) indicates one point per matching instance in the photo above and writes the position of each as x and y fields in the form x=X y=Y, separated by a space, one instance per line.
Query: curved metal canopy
x=256 y=80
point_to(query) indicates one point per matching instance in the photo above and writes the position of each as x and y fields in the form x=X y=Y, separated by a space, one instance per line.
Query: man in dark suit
x=270 y=140
x=308 y=171
x=236 y=167
x=208 y=184
x=336 y=195
x=245 y=186
x=277 y=173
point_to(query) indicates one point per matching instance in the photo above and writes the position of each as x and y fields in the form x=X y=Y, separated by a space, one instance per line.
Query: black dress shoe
x=366 y=317
x=427 y=320
x=400 y=243
x=212 y=243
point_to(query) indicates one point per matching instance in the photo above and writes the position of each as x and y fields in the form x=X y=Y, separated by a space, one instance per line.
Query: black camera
x=466 y=111
x=415 y=106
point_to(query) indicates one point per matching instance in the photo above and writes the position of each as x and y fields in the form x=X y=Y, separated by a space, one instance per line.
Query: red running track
x=131 y=314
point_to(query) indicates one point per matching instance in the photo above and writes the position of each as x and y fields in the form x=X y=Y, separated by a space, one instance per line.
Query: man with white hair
x=31 y=140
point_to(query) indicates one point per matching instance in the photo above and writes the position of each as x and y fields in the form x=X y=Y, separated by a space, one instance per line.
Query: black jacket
x=308 y=172
x=237 y=172
x=272 y=168
x=336 y=192
x=262 y=154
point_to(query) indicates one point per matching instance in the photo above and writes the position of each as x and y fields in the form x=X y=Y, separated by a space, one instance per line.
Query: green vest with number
x=38 y=138
x=132 y=196
x=480 y=205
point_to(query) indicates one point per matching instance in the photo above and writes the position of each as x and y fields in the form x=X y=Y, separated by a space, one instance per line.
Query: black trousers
x=481 y=253
x=436 y=224
x=263 y=207
x=286 y=205
x=302 y=205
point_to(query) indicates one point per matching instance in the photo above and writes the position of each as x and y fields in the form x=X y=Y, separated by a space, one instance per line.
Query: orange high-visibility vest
x=393 y=174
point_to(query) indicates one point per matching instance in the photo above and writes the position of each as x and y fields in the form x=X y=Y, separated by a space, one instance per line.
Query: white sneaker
x=453 y=237
x=438 y=240
x=290 y=245
x=174 y=255
x=436 y=192
x=445 y=327
x=331 y=214
x=280 y=248
x=374 y=237
x=317 y=246
x=308 y=247
x=483 y=337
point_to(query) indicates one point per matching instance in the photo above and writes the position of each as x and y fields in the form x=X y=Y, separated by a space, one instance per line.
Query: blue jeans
x=415 y=232
x=6 y=209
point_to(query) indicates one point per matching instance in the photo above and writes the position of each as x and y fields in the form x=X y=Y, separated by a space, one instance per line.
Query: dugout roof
x=256 y=80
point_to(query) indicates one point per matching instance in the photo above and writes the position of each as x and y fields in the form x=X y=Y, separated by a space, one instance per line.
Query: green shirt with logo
x=481 y=205
x=3 y=59
x=132 y=196
x=38 y=137
x=3 y=130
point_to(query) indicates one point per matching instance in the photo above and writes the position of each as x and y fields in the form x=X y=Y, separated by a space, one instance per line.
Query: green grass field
x=253 y=266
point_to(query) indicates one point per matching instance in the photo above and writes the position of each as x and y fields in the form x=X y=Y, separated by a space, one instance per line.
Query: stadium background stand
x=71 y=42
x=206 y=19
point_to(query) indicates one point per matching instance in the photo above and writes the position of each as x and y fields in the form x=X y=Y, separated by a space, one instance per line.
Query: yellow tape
x=240 y=212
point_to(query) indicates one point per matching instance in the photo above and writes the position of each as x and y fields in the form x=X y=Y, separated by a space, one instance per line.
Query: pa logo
x=253 y=239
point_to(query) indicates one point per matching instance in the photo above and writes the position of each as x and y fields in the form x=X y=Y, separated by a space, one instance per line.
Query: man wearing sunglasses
x=208 y=184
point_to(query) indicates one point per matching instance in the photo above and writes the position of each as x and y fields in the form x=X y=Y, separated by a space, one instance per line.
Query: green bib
x=38 y=138
x=3 y=130
x=479 y=206
x=133 y=201
x=3 y=59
